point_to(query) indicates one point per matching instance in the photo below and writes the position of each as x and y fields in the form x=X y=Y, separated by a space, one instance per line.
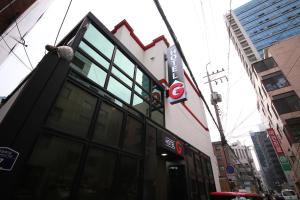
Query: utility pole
x=215 y=99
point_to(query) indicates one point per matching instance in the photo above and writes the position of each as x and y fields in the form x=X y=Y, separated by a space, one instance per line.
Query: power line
x=183 y=57
x=21 y=37
x=12 y=51
x=228 y=64
x=62 y=22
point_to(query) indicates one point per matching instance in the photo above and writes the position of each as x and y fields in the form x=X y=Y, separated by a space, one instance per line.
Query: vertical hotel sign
x=177 y=91
x=277 y=147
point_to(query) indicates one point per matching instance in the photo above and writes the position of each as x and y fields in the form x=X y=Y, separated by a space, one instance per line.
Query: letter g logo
x=176 y=90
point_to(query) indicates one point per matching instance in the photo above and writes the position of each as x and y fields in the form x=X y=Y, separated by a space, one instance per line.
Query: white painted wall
x=178 y=119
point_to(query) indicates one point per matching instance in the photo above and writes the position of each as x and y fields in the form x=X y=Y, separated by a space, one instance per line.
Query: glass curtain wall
x=102 y=63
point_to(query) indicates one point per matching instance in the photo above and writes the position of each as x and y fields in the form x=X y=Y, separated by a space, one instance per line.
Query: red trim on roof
x=138 y=41
x=164 y=82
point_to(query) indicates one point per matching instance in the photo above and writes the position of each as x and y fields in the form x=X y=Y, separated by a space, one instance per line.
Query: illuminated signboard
x=170 y=143
x=275 y=142
x=177 y=91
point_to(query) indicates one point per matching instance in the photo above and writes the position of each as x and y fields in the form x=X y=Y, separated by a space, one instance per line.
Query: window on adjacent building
x=293 y=126
x=264 y=65
x=274 y=81
x=286 y=102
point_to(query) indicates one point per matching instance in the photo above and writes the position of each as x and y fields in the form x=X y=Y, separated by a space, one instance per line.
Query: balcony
x=264 y=65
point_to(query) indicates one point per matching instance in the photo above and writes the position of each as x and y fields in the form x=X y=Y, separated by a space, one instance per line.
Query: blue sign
x=230 y=169
x=8 y=158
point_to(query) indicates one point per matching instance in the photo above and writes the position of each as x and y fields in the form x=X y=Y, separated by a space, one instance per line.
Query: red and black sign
x=176 y=76
x=170 y=143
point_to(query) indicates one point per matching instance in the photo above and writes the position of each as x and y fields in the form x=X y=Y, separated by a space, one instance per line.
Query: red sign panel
x=275 y=142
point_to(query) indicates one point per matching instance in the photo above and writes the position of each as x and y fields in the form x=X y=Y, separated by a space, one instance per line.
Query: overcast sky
x=200 y=29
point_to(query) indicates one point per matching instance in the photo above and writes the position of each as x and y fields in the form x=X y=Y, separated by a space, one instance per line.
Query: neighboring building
x=242 y=177
x=265 y=36
x=248 y=172
x=227 y=183
x=271 y=171
x=101 y=126
x=279 y=77
x=25 y=14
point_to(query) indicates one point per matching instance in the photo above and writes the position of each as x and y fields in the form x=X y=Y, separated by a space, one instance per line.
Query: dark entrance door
x=177 y=182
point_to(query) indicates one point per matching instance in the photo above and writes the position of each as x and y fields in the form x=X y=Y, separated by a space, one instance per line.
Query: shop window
x=274 y=81
x=94 y=54
x=150 y=165
x=119 y=90
x=121 y=76
x=124 y=63
x=126 y=186
x=286 y=102
x=87 y=68
x=142 y=79
x=198 y=166
x=108 y=125
x=141 y=105
x=72 y=111
x=133 y=136
x=98 y=40
x=50 y=170
x=97 y=179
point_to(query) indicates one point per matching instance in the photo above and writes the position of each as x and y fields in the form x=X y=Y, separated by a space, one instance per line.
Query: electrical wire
x=12 y=51
x=228 y=65
x=62 y=22
x=23 y=43
x=177 y=44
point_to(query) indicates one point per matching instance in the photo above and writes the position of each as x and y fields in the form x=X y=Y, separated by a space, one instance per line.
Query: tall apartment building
x=258 y=29
x=271 y=171
x=101 y=125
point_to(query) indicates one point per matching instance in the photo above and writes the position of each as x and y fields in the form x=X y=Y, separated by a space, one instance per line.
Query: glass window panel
x=141 y=105
x=124 y=63
x=121 y=76
x=119 y=90
x=142 y=79
x=286 y=102
x=157 y=117
x=72 y=111
x=133 y=136
x=50 y=170
x=94 y=54
x=275 y=81
x=99 y=41
x=142 y=92
x=126 y=187
x=88 y=69
x=157 y=97
x=108 y=125
x=98 y=175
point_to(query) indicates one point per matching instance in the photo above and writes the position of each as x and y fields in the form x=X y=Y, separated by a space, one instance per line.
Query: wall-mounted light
x=164 y=154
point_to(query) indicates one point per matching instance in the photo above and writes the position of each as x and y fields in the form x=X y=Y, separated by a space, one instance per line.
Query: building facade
x=279 y=75
x=248 y=172
x=255 y=28
x=101 y=126
x=271 y=171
